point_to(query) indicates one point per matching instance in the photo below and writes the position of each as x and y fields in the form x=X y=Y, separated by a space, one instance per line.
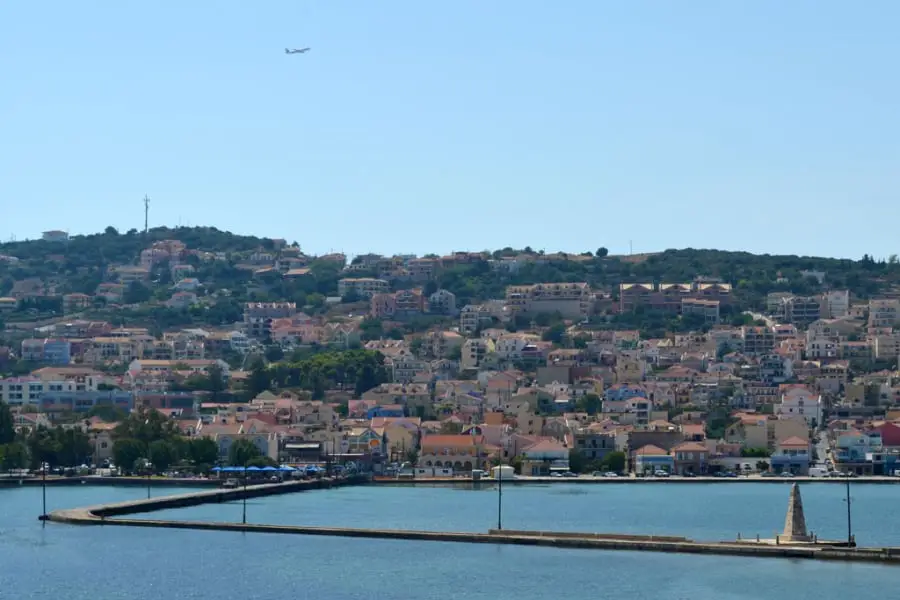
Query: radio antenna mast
x=146 y=213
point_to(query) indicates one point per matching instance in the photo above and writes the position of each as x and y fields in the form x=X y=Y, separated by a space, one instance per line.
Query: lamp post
x=500 y=495
x=244 y=518
x=849 y=522
x=43 y=491
x=147 y=466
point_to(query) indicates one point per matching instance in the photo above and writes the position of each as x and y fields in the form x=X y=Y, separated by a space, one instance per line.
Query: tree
x=146 y=426
x=136 y=293
x=203 y=451
x=762 y=465
x=589 y=403
x=13 y=456
x=577 y=461
x=7 y=425
x=274 y=353
x=602 y=252
x=615 y=461
x=258 y=381
x=127 y=452
x=555 y=334
x=163 y=454
x=242 y=451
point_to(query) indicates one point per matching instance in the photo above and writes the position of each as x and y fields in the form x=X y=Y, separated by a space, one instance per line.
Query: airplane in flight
x=299 y=51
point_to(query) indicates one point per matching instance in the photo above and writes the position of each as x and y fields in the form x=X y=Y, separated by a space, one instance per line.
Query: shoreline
x=163 y=482
x=519 y=480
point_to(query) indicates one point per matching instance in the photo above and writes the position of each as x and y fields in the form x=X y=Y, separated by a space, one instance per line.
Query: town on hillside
x=182 y=349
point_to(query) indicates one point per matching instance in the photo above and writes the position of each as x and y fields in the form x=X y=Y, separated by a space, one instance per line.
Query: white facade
x=835 y=304
x=28 y=390
x=800 y=403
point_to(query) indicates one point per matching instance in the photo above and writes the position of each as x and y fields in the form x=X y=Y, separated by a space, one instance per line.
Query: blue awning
x=269 y=469
x=254 y=469
x=286 y=468
x=216 y=469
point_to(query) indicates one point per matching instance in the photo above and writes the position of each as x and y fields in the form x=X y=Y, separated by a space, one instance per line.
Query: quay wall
x=633 y=480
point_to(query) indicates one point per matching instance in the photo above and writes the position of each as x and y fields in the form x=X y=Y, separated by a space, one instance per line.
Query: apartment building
x=798 y=310
x=835 y=304
x=404 y=303
x=474 y=351
x=475 y=316
x=29 y=390
x=668 y=297
x=758 y=340
x=364 y=287
x=73 y=303
x=53 y=351
x=707 y=309
x=571 y=300
x=127 y=274
x=422 y=269
x=258 y=316
x=884 y=312
x=886 y=347
x=442 y=302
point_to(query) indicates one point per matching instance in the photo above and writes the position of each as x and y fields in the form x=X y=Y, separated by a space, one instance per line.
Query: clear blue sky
x=417 y=126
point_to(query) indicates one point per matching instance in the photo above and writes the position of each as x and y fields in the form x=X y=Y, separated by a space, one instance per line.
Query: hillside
x=232 y=269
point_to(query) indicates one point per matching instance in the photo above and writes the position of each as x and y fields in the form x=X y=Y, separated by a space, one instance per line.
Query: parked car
x=569 y=474
x=610 y=474
x=661 y=473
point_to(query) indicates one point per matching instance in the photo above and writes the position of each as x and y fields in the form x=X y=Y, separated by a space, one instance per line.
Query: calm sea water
x=99 y=563
x=711 y=512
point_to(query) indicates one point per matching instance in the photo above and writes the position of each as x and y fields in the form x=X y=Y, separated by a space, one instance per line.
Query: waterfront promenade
x=117 y=515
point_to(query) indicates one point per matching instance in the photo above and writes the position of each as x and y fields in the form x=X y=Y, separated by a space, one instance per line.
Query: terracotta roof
x=650 y=450
x=449 y=441
x=690 y=447
x=794 y=442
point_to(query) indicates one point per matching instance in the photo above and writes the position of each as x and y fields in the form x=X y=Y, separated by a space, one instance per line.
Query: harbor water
x=97 y=563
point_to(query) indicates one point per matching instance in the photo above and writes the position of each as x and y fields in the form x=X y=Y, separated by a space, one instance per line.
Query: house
x=8 y=305
x=854 y=451
x=792 y=455
x=462 y=453
x=188 y=284
x=545 y=457
x=442 y=302
x=798 y=402
x=690 y=457
x=649 y=459
x=182 y=300
x=572 y=300
x=55 y=235
x=364 y=287
x=73 y=303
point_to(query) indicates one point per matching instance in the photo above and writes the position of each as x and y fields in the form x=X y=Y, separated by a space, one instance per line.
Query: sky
x=416 y=127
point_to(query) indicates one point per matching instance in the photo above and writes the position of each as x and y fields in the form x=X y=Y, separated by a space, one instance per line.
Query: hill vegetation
x=83 y=262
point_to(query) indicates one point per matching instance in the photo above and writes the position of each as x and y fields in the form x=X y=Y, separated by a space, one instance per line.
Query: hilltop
x=202 y=275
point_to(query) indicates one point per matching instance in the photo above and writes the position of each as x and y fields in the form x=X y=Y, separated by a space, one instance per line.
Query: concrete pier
x=111 y=515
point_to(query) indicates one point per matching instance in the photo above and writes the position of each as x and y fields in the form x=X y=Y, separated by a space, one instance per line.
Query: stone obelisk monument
x=795 y=522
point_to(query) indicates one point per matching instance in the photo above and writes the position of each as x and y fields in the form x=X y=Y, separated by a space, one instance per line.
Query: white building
x=835 y=304
x=798 y=402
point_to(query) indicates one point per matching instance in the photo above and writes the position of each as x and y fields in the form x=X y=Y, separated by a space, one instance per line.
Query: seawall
x=634 y=480
x=110 y=515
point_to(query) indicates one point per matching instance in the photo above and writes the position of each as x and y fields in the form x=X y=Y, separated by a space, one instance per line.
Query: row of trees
x=140 y=439
x=359 y=370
